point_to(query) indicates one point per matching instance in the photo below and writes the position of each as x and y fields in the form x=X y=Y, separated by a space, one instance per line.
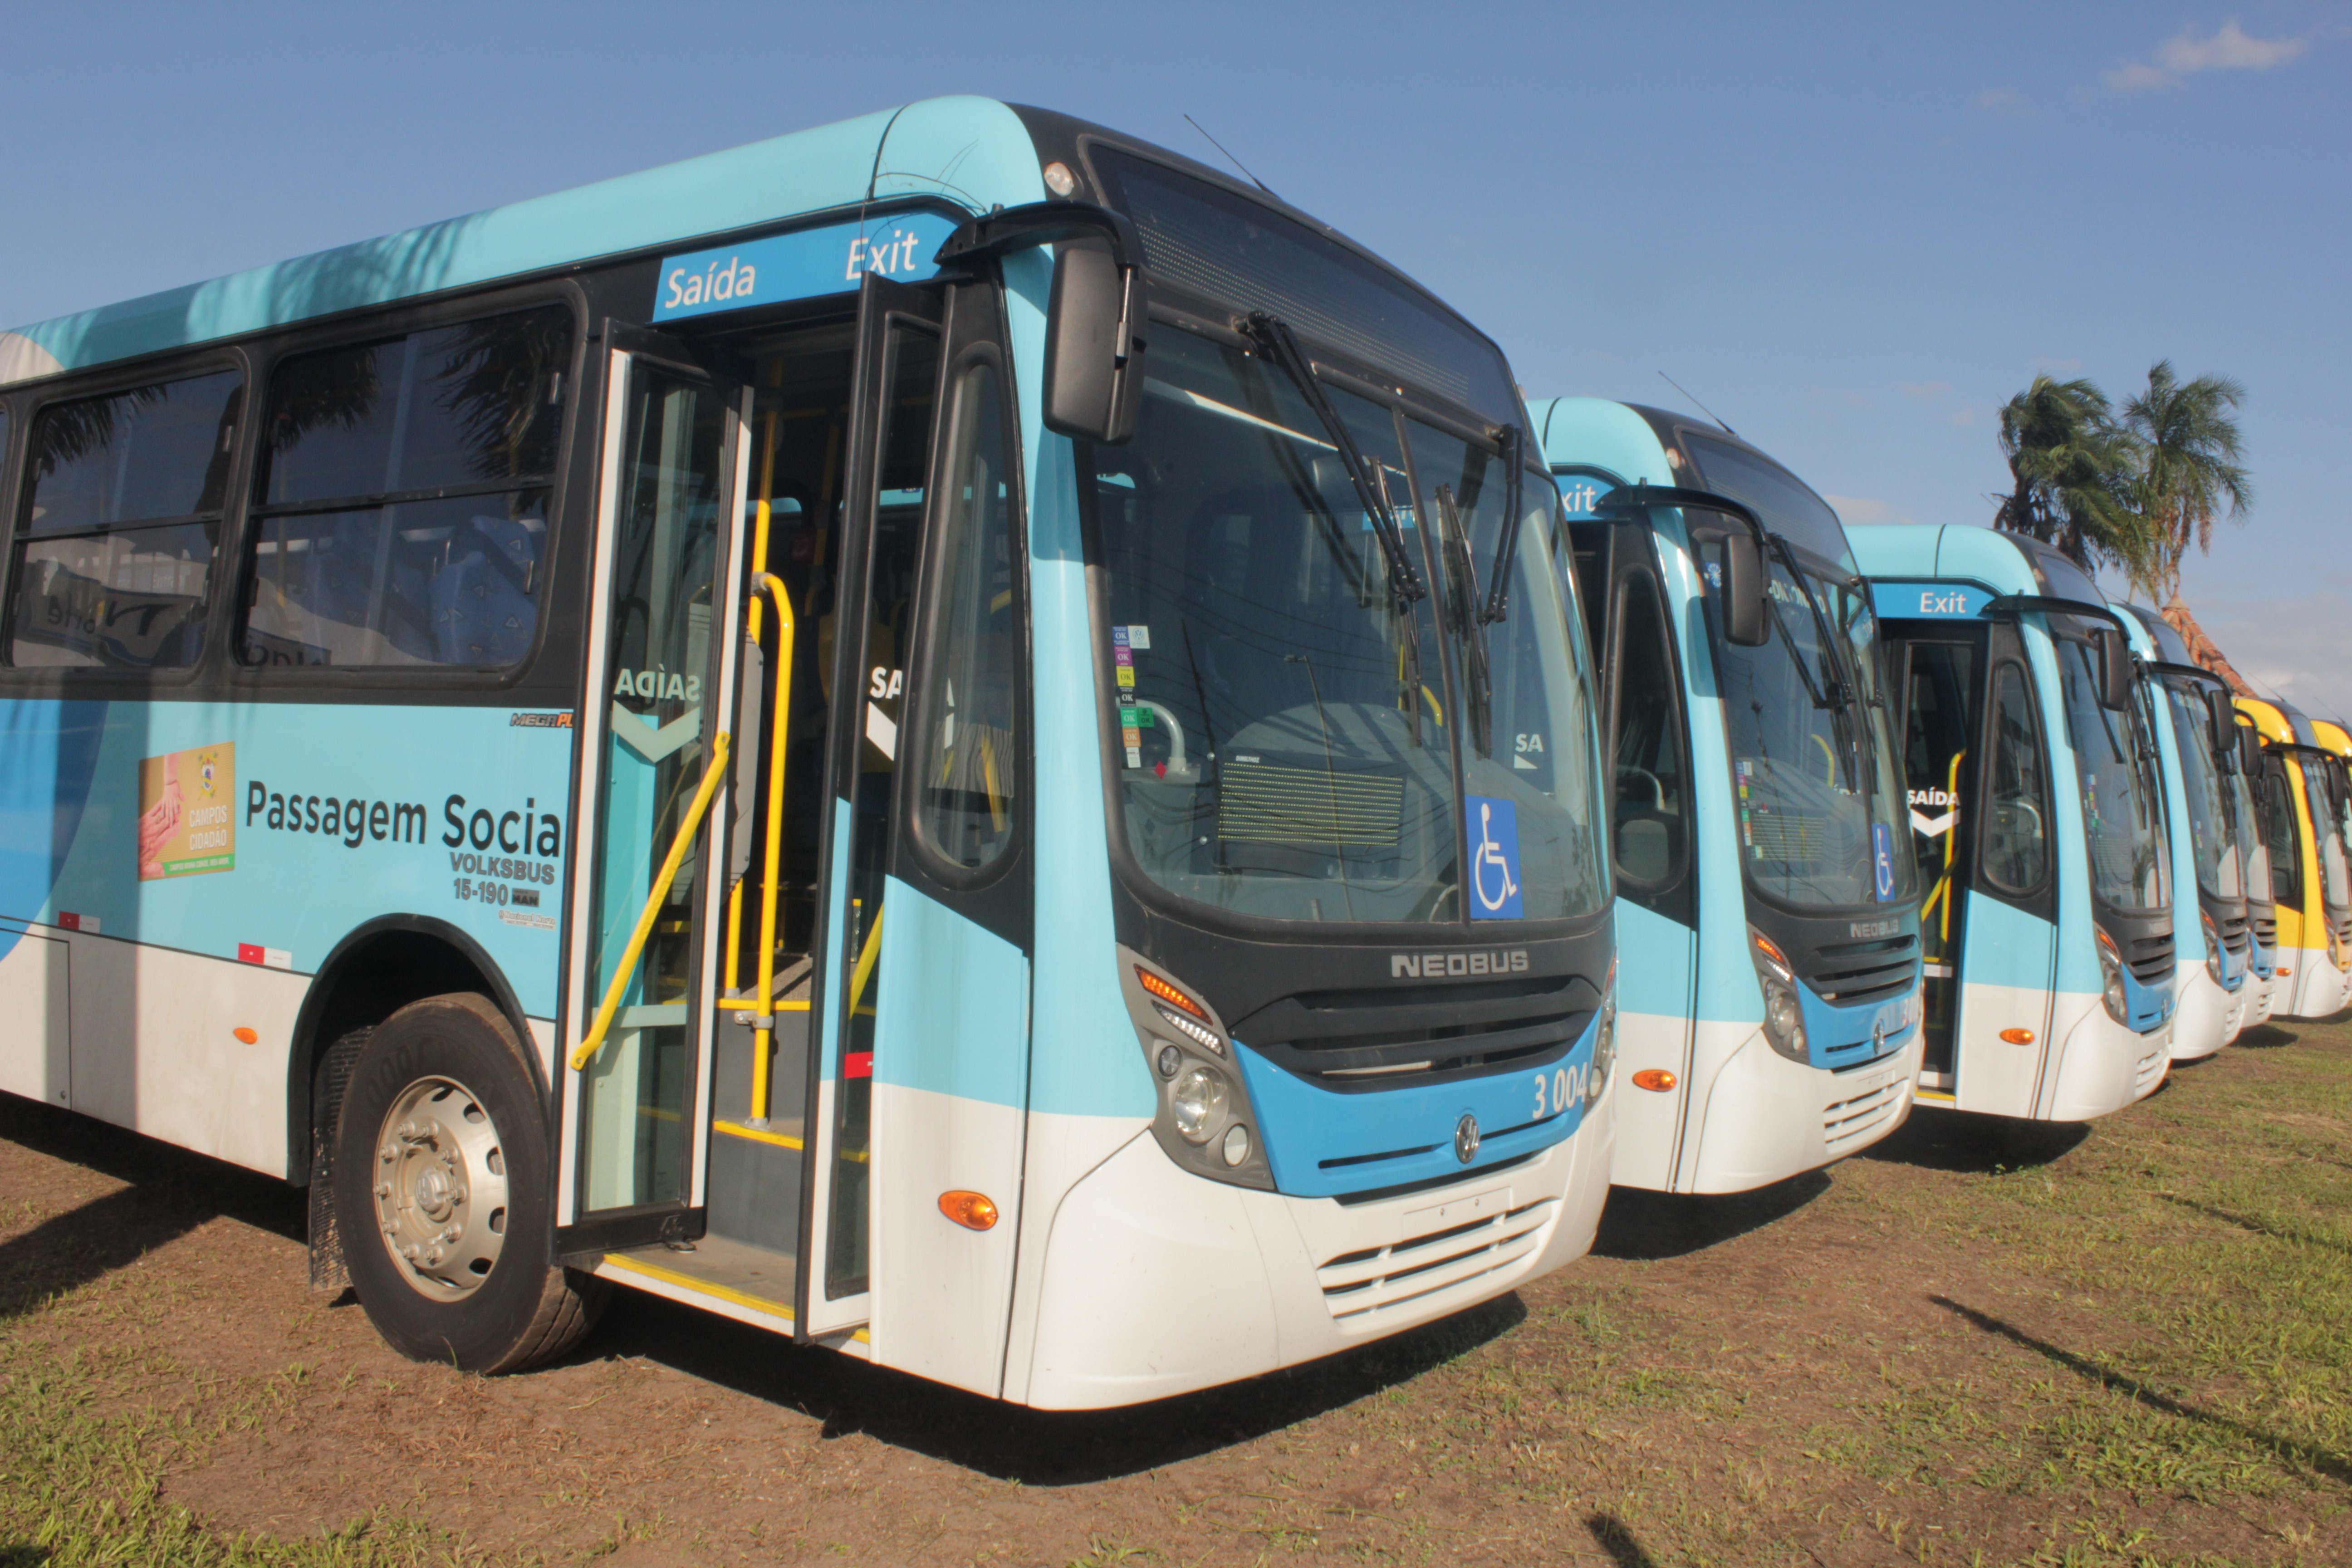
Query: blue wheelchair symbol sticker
x=1494 y=859
x=1882 y=859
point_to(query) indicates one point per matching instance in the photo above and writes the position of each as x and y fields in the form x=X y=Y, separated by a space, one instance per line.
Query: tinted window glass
x=2121 y=810
x=2213 y=826
x=361 y=556
x=1214 y=242
x=1649 y=823
x=2016 y=833
x=121 y=517
x=436 y=582
x=159 y=451
x=469 y=405
x=1786 y=505
x=2329 y=829
x=2277 y=809
x=966 y=760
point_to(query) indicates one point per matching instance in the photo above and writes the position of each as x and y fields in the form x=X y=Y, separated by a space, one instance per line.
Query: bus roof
x=2004 y=561
x=974 y=153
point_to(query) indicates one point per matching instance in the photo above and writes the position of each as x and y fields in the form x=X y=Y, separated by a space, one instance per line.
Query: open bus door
x=1976 y=774
x=825 y=1039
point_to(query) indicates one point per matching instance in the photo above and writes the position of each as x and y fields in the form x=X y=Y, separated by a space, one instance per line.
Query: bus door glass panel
x=1940 y=703
x=668 y=491
x=2276 y=805
x=1650 y=822
x=897 y=390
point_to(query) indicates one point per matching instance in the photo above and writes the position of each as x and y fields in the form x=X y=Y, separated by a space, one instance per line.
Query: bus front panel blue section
x=1324 y=1145
x=267 y=832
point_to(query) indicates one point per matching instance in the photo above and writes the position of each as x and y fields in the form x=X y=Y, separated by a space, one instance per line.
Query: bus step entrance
x=755 y=1194
x=754 y=1277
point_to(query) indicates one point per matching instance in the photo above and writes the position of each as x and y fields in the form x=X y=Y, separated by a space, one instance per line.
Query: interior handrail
x=712 y=772
x=778 y=722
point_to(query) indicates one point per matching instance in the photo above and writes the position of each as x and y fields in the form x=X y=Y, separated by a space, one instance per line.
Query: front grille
x=1857 y=971
x=1357 y=1287
x=2265 y=931
x=2150 y=1067
x=2234 y=935
x=2151 y=959
x=1846 y=1123
x=1373 y=1039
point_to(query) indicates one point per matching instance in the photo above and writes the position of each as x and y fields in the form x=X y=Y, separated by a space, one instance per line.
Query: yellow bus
x=2311 y=860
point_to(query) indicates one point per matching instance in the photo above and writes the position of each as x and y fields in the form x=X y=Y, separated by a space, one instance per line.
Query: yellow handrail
x=714 y=771
x=778 y=722
x=751 y=616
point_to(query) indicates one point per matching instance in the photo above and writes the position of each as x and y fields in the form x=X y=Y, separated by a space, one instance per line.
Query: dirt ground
x=1914 y=1356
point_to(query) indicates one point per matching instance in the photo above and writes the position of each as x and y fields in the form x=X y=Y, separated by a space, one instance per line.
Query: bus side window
x=966 y=760
x=1647 y=817
x=2016 y=833
x=360 y=557
x=122 y=515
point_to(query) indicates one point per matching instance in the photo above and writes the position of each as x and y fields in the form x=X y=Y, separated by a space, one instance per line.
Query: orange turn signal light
x=1657 y=1078
x=970 y=1210
x=2018 y=1037
x=248 y=1035
x=1169 y=993
x=2283 y=969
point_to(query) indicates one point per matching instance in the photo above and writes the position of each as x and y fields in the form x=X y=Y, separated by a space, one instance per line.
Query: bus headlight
x=1197 y=1101
x=2212 y=946
x=2111 y=965
x=1784 y=1015
x=1204 y=1119
x=1604 y=1044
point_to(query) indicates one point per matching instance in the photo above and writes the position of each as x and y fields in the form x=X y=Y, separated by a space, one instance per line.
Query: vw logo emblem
x=1466 y=1139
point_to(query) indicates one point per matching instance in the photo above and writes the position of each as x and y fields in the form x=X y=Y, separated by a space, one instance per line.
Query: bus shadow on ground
x=1935 y=1139
x=170 y=1193
x=1639 y=1226
x=2309 y=1456
x=1034 y=1447
x=2262 y=1037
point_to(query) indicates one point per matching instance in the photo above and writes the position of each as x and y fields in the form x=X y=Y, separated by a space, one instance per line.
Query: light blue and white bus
x=1769 y=929
x=2196 y=729
x=950 y=736
x=2037 y=816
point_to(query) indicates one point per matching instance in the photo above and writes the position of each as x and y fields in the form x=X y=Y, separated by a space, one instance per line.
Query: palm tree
x=2189 y=472
x=2073 y=468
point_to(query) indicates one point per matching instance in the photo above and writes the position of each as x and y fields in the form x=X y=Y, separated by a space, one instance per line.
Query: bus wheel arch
x=375 y=971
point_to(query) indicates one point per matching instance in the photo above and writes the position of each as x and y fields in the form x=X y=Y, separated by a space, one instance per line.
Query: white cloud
x=1926 y=388
x=2177 y=59
x=2003 y=103
x=1856 y=511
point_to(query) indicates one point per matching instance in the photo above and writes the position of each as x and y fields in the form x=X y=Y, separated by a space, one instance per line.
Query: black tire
x=506 y=1312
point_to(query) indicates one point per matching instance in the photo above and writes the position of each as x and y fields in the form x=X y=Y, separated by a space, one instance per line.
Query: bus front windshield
x=2213 y=821
x=1290 y=727
x=2331 y=826
x=2114 y=763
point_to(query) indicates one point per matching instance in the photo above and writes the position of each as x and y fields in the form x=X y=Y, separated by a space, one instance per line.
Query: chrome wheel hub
x=440 y=1188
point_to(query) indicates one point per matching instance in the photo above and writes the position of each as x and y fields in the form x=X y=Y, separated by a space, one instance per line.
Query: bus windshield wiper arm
x=1275 y=340
x=1842 y=699
x=1507 y=547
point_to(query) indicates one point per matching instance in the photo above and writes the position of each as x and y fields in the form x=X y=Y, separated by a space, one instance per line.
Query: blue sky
x=1853 y=230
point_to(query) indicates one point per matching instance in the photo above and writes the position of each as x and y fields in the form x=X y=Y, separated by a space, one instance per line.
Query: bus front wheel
x=443 y=1196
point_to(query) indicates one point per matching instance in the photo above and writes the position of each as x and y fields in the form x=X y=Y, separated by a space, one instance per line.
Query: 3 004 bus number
x=1559 y=1089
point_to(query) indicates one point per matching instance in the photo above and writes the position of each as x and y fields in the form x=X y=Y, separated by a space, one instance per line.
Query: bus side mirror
x=2114 y=670
x=1746 y=612
x=1094 y=344
x=2223 y=715
x=2250 y=751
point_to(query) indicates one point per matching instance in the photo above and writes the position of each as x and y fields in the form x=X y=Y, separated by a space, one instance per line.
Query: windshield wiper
x=1507 y=547
x=1842 y=700
x=1481 y=682
x=1277 y=344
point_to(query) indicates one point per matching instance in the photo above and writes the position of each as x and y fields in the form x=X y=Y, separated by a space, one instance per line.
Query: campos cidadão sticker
x=185 y=825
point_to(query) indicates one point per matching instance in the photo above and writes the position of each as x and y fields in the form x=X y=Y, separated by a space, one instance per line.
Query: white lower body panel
x=2316 y=989
x=1761 y=1118
x=2203 y=1022
x=1155 y=1281
x=2100 y=1066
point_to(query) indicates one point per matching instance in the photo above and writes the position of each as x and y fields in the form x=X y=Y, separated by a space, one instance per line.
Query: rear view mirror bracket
x=1747 y=611
x=1095 y=334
